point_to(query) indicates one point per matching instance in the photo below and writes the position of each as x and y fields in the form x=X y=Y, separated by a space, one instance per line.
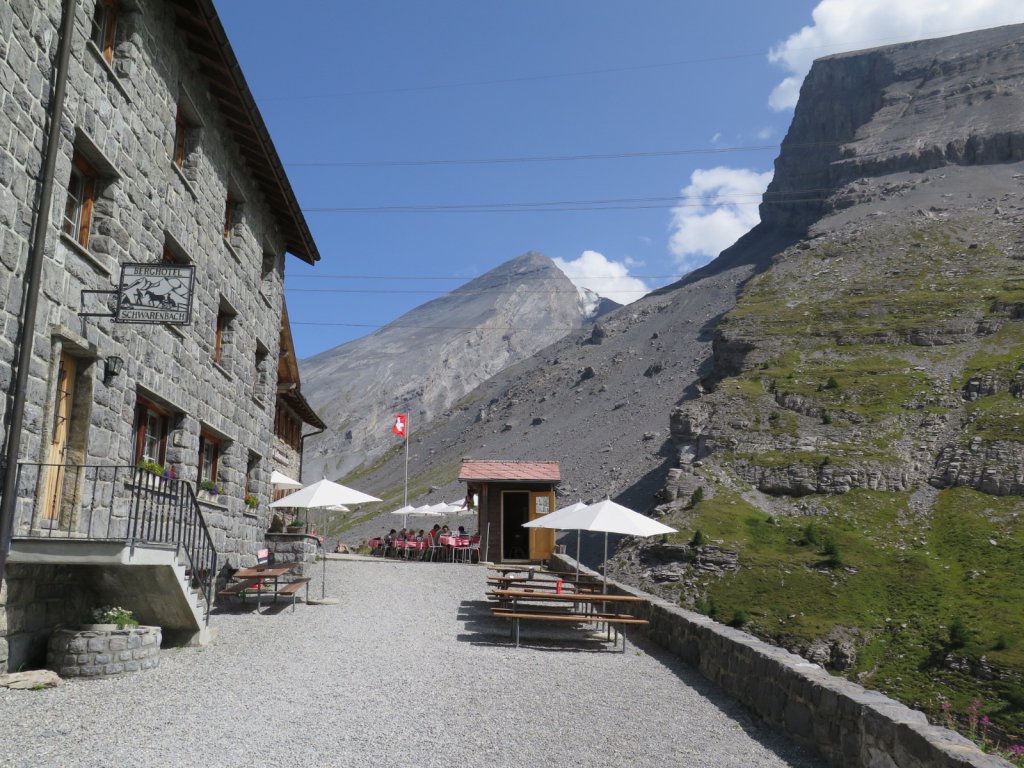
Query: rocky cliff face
x=432 y=356
x=912 y=107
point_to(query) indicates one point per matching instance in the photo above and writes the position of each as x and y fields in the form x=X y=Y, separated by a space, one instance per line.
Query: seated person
x=390 y=537
x=445 y=531
x=462 y=531
x=434 y=533
x=419 y=536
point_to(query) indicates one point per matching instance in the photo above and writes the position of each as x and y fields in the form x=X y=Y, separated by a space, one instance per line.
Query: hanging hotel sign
x=155 y=293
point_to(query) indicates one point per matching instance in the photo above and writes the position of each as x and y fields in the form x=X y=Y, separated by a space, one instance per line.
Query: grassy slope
x=904 y=579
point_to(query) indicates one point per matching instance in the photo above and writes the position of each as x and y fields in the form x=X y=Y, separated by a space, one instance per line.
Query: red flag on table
x=401 y=424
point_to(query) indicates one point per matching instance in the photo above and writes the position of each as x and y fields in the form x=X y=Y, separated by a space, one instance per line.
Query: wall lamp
x=112 y=367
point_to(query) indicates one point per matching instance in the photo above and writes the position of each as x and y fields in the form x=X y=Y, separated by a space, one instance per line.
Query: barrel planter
x=103 y=653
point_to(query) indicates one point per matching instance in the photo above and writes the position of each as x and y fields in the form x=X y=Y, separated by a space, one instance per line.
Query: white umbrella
x=324 y=493
x=606 y=516
x=408 y=509
x=282 y=480
x=552 y=519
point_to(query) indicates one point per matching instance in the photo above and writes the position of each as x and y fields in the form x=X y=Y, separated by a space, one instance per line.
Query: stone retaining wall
x=87 y=653
x=292 y=547
x=845 y=723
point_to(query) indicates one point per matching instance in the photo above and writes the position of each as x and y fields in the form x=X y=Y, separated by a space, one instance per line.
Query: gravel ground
x=407 y=670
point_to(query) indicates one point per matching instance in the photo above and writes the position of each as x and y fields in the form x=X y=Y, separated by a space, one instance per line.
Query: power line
x=612 y=204
x=567 y=329
x=539 y=158
x=479 y=291
x=518 y=278
x=834 y=46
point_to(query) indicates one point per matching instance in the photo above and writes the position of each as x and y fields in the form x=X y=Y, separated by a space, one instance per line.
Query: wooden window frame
x=229 y=216
x=103 y=29
x=207 y=440
x=78 y=208
x=143 y=408
x=181 y=129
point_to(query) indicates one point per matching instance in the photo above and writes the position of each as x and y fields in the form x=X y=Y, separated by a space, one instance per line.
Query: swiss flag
x=401 y=425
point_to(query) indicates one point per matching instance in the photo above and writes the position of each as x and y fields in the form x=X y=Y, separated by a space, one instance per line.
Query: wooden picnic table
x=258 y=575
x=515 y=612
x=518 y=582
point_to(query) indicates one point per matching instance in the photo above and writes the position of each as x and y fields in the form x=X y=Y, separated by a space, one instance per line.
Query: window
x=81 y=197
x=181 y=127
x=287 y=426
x=251 y=471
x=260 y=372
x=104 y=28
x=151 y=427
x=223 y=320
x=268 y=265
x=229 y=216
x=209 y=455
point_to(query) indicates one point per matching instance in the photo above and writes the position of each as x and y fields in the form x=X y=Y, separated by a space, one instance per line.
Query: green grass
x=901 y=585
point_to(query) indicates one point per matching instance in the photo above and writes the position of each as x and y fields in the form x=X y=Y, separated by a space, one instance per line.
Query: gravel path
x=407 y=670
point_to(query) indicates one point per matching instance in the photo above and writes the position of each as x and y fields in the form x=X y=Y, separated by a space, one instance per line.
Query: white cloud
x=720 y=205
x=765 y=133
x=716 y=137
x=607 y=278
x=847 y=25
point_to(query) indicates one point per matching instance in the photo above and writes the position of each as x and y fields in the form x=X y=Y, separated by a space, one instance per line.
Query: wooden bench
x=535 y=613
x=292 y=588
x=239 y=588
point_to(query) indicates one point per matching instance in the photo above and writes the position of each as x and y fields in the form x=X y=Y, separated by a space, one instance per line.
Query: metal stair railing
x=117 y=503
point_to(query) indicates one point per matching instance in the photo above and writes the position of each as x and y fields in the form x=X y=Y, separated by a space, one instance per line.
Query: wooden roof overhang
x=209 y=44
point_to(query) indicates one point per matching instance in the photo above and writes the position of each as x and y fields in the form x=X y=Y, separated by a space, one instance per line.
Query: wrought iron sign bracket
x=98 y=314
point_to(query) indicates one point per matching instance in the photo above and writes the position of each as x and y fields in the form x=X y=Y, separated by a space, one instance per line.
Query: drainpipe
x=33 y=280
x=302 y=448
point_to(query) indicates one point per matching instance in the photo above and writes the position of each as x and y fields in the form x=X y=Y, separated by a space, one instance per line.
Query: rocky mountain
x=831 y=412
x=430 y=357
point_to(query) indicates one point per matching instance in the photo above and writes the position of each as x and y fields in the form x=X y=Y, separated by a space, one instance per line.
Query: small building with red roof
x=508 y=494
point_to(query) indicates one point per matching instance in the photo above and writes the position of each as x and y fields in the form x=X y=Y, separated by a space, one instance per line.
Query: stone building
x=139 y=442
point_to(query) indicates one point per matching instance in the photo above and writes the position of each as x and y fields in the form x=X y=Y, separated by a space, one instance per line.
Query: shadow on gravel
x=239 y=608
x=482 y=629
x=794 y=755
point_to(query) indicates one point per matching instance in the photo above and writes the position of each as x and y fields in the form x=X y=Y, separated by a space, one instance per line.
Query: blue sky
x=379 y=104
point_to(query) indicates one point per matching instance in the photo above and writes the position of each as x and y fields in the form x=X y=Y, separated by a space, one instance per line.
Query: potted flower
x=147 y=473
x=150 y=466
x=111 y=617
x=209 y=488
x=251 y=501
x=296 y=525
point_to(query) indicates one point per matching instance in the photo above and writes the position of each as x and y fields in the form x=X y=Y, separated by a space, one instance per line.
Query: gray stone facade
x=121 y=117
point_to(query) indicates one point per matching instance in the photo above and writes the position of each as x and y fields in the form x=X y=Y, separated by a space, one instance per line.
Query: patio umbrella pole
x=579 y=535
x=606 y=562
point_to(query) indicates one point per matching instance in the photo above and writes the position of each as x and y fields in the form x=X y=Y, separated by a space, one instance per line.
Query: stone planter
x=99 y=627
x=102 y=653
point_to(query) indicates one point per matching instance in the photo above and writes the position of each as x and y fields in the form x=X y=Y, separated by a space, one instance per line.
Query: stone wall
x=121 y=117
x=845 y=723
x=41 y=597
x=294 y=547
x=85 y=653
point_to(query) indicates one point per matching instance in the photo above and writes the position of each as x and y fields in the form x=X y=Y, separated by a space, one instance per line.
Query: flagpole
x=405 y=498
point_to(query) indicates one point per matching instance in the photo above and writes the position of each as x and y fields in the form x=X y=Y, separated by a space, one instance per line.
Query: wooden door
x=542 y=540
x=56 y=471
